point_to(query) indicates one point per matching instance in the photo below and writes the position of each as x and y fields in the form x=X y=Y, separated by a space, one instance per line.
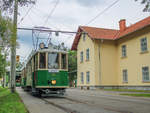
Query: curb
x=23 y=103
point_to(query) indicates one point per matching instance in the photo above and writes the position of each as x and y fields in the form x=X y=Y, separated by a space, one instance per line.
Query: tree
x=147 y=5
x=12 y=6
x=72 y=59
x=5 y=35
x=6 y=29
x=7 y=5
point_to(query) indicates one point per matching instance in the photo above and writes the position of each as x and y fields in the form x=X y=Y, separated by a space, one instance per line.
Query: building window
x=82 y=78
x=87 y=54
x=88 y=77
x=145 y=73
x=143 y=44
x=125 y=75
x=81 y=56
x=84 y=35
x=124 y=52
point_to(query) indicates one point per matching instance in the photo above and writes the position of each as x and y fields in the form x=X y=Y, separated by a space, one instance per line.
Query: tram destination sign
x=53 y=70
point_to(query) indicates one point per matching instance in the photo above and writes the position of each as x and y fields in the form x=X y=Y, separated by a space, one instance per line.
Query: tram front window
x=42 y=63
x=53 y=60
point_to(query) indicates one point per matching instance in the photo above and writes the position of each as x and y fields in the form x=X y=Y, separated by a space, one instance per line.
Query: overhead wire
x=50 y=14
x=102 y=12
x=52 y=11
x=26 y=14
x=35 y=13
x=51 y=24
x=33 y=23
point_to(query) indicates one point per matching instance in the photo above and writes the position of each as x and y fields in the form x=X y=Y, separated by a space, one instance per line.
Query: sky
x=68 y=15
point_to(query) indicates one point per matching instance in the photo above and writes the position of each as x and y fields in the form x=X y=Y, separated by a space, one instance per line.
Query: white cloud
x=69 y=14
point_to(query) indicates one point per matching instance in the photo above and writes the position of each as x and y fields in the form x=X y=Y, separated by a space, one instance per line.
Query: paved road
x=83 y=101
x=36 y=105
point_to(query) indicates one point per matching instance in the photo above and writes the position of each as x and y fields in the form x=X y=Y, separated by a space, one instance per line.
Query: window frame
x=143 y=76
x=44 y=60
x=143 y=43
x=125 y=75
x=57 y=59
x=124 y=50
x=84 y=36
x=81 y=56
x=65 y=62
x=88 y=77
x=82 y=78
x=37 y=61
x=87 y=54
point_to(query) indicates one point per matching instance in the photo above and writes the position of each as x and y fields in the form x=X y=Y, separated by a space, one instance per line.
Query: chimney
x=122 y=24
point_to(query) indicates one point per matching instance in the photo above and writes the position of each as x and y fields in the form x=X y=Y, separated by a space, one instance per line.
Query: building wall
x=135 y=60
x=97 y=62
x=85 y=65
x=105 y=62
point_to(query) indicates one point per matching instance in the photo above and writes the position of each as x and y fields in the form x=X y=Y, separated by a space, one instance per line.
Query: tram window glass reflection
x=63 y=61
x=53 y=60
x=42 y=63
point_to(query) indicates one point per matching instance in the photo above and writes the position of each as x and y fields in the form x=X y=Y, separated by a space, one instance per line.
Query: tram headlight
x=53 y=82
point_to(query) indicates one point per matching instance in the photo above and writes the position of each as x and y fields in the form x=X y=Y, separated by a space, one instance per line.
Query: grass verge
x=127 y=90
x=136 y=95
x=10 y=102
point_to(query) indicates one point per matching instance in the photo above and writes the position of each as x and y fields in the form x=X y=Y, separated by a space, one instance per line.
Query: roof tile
x=109 y=34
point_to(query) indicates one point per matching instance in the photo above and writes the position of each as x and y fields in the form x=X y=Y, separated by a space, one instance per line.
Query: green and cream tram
x=46 y=71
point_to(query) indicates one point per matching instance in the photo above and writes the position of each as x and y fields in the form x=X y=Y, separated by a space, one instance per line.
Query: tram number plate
x=53 y=70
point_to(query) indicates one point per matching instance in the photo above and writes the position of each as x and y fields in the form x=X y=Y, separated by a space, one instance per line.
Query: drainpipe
x=99 y=64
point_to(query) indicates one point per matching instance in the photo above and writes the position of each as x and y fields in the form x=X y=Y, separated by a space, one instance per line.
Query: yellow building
x=109 y=58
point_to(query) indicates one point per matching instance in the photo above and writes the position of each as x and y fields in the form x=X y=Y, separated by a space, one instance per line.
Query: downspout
x=99 y=63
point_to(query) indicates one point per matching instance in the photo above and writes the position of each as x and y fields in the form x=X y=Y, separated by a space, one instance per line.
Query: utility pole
x=13 y=48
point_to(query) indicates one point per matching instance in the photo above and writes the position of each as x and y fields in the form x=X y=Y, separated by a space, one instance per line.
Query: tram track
x=104 y=107
x=73 y=101
x=67 y=110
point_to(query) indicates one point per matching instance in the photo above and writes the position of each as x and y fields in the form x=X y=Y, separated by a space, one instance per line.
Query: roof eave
x=133 y=32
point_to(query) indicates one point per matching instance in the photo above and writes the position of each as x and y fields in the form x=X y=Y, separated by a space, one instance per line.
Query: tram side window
x=63 y=61
x=53 y=60
x=36 y=61
x=42 y=63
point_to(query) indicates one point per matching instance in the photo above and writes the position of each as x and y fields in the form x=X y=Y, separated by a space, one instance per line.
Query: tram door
x=34 y=70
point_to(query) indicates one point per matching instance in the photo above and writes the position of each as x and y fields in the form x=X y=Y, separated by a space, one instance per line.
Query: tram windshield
x=53 y=60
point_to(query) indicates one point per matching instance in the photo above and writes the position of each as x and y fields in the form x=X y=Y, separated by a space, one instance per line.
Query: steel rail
x=68 y=110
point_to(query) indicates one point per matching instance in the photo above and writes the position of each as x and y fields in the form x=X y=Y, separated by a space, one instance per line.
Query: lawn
x=137 y=95
x=10 y=103
x=128 y=90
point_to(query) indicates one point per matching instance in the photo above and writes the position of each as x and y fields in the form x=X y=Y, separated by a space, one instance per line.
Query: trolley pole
x=13 y=48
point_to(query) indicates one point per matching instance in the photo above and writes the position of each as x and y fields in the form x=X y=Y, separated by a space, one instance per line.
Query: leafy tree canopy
x=6 y=29
x=147 y=5
x=72 y=58
x=7 y=5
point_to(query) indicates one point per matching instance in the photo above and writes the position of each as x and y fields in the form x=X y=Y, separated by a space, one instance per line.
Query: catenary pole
x=13 y=48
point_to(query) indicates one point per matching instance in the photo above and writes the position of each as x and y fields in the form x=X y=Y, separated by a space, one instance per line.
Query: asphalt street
x=86 y=101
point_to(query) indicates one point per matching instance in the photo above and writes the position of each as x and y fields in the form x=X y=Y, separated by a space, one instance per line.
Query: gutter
x=133 y=32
